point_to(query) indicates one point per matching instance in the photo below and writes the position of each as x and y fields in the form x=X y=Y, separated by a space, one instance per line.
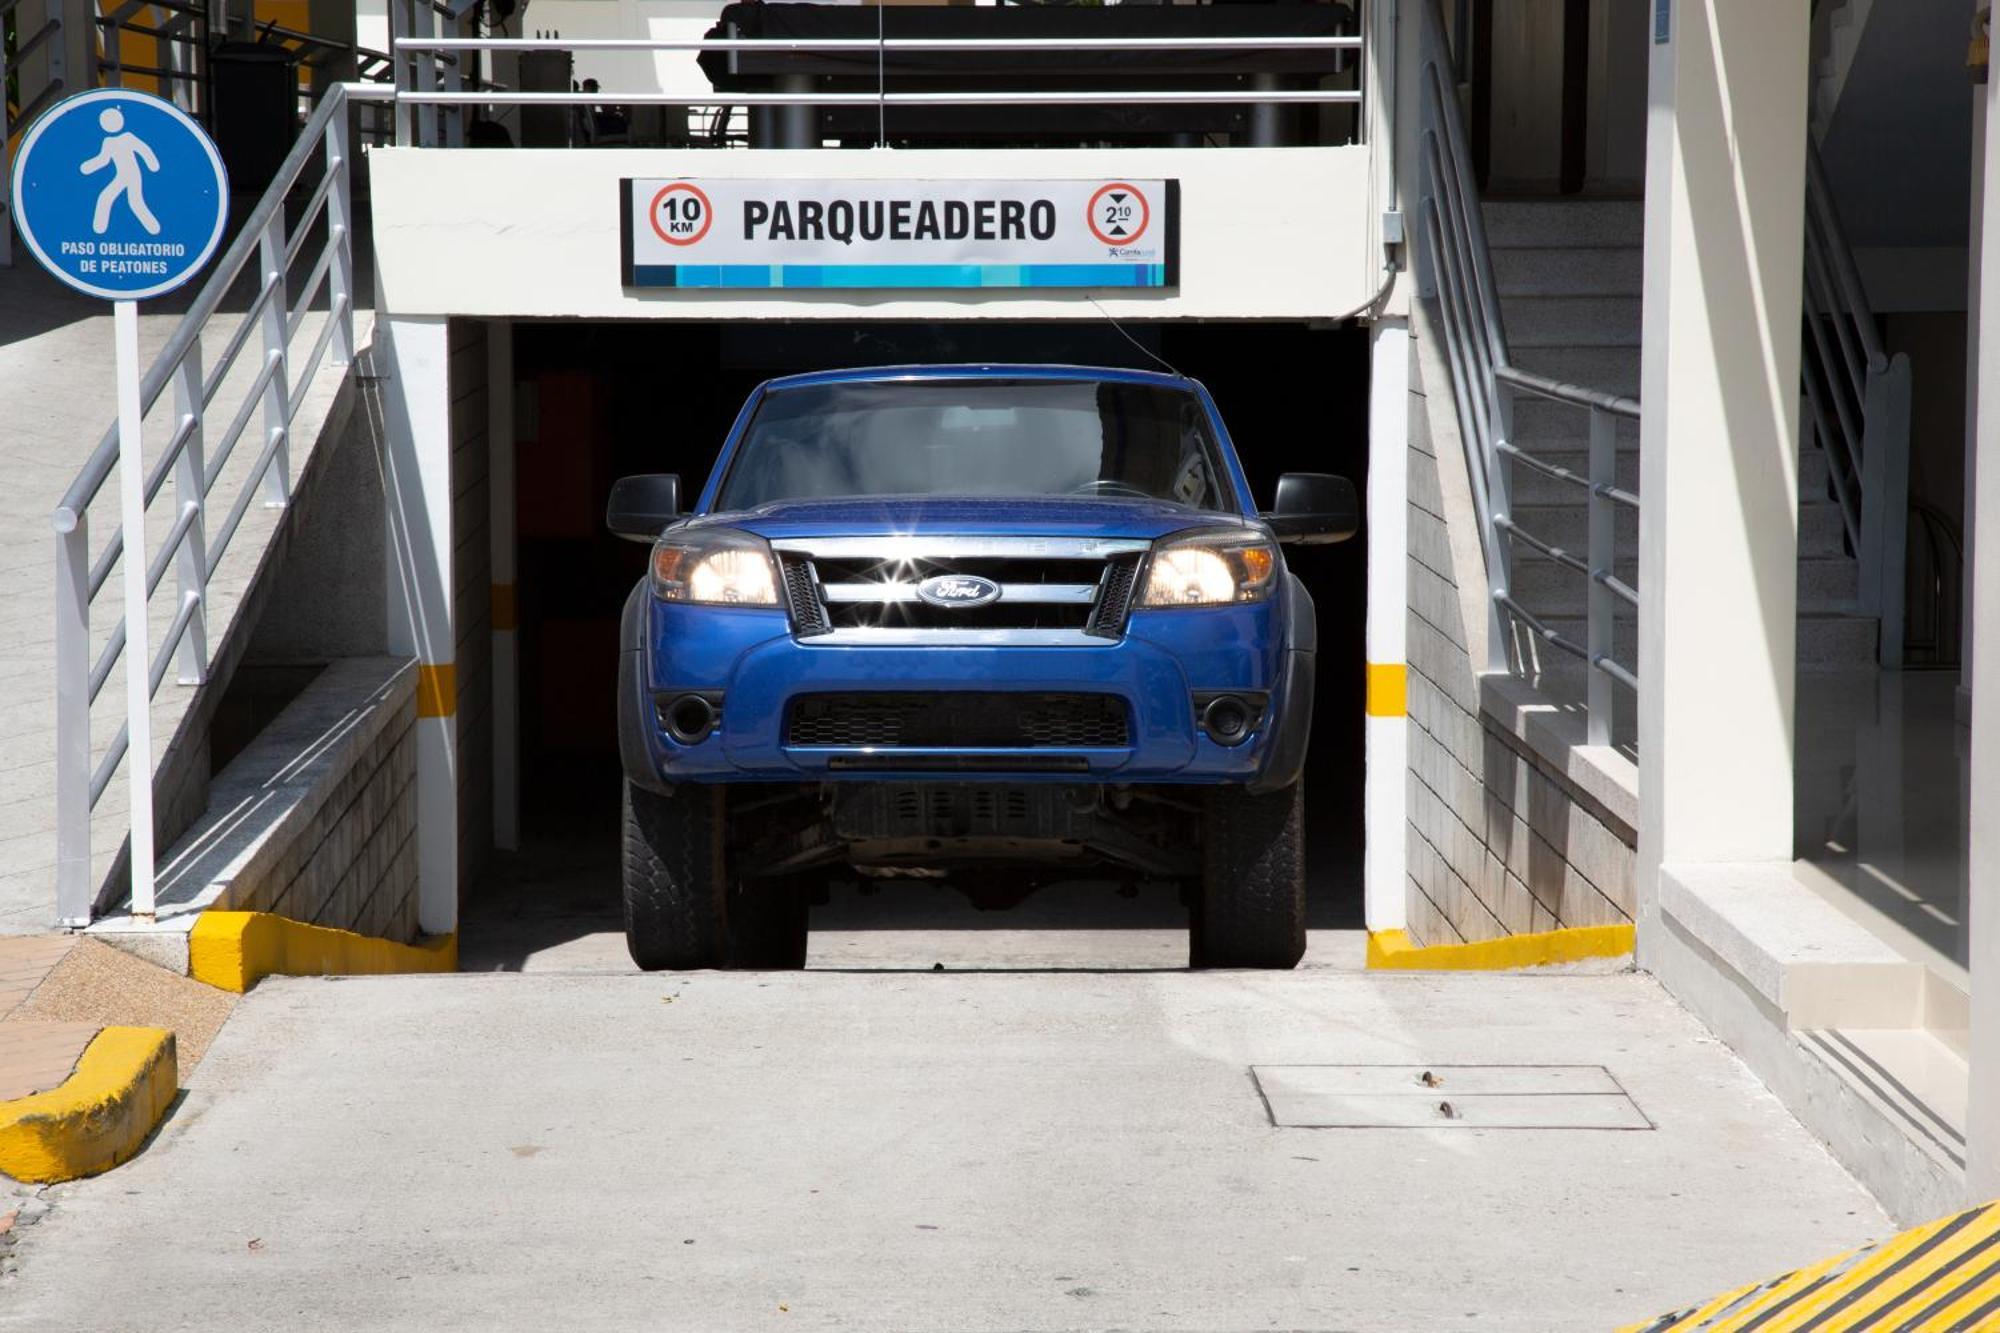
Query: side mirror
x=1314 y=509
x=640 y=506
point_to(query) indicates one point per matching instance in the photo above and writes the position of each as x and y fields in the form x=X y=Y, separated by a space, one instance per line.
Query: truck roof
x=982 y=370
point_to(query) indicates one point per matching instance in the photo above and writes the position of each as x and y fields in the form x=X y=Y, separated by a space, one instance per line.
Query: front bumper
x=752 y=660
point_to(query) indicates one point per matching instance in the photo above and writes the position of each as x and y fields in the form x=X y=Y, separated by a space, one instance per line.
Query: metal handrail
x=1857 y=409
x=1222 y=96
x=816 y=45
x=418 y=87
x=190 y=550
x=1457 y=270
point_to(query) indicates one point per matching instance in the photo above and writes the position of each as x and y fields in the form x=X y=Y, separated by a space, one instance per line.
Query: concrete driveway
x=584 y=1147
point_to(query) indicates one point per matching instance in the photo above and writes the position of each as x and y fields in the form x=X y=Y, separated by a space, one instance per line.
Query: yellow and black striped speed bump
x=1942 y=1277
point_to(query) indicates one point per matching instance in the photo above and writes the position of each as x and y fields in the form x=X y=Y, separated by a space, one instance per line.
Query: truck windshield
x=978 y=437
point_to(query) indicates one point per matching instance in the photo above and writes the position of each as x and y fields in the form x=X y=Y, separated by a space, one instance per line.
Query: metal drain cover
x=1446 y=1097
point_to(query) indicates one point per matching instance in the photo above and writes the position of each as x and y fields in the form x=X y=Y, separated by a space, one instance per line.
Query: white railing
x=423 y=82
x=1857 y=401
x=193 y=457
x=38 y=69
x=1456 y=270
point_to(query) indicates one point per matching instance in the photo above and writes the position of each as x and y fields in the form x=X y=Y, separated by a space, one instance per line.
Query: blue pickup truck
x=955 y=622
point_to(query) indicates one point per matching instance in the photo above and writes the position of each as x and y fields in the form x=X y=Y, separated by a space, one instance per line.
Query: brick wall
x=1500 y=840
x=316 y=819
x=472 y=619
x=354 y=866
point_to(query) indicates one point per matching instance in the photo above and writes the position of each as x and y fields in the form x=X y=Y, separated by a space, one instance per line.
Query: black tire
x=673 y=876
x=768 y=924
x=1251 y=911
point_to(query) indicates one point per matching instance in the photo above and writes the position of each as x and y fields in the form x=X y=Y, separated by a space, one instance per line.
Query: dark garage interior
x=599 y=401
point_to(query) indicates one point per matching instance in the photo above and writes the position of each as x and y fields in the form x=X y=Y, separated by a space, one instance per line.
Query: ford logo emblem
x=958 y=590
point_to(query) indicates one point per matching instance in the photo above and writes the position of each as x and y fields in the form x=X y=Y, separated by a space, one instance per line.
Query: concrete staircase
x=1569 y=277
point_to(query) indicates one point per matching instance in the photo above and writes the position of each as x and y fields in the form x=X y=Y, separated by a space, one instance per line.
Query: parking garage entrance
x=596 y=401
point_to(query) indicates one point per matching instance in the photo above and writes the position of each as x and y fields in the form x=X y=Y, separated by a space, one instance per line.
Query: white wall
x=1273 y=233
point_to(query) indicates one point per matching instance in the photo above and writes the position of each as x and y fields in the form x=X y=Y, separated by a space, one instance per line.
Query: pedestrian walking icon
x=120 y=194
x=124 y=152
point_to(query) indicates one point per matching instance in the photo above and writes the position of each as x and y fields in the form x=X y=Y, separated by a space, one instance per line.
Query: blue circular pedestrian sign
x=119 y=194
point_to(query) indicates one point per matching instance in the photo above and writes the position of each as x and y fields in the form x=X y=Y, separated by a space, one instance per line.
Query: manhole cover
x=1446 y=1097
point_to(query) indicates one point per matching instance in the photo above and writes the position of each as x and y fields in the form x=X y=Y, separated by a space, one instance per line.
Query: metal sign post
x=138 y=651
x=122 y=196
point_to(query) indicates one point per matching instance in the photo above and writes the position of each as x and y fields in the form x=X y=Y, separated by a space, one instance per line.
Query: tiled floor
x=34 y=1055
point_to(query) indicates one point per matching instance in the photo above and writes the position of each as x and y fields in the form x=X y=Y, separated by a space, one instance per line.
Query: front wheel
x=673 y=877
x=1251 y=910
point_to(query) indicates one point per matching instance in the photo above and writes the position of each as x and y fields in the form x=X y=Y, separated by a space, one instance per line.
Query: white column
x=1385 y=787
x=1983 y=853
x=416 y=403
x=500 y=527
x=1718 y=532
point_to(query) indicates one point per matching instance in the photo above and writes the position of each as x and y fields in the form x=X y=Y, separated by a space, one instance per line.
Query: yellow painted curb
x=123 y=1083
x=233 y=951
x=1392 y=949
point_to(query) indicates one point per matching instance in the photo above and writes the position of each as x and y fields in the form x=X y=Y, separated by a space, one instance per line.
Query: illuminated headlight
x=720 y=568
x=1210 y=569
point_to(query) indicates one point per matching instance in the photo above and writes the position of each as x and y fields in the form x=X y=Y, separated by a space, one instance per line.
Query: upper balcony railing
x=1240 y=87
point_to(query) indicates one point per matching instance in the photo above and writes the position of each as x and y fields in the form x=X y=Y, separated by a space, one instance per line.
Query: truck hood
x=870 y=516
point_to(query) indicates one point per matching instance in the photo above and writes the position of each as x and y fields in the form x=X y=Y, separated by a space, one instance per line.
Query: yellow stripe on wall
x=437 y=689
x=505 y=616
x=1388 y=689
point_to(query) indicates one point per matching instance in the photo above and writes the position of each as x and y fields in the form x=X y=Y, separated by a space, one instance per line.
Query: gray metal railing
x=193 y=458
x=1857 y=401
x=425 y=84
x=38 y=69
x=1456 y=269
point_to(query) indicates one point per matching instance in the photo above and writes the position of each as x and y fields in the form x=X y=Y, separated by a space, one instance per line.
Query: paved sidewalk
x=904 y=1150
x=34 y=1055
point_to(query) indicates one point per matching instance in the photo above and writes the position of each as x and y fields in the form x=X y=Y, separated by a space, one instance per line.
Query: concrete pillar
x=1385 y=787
x=500 y=532
x=1983 y=852
x=1718 y=532
x=415 y=375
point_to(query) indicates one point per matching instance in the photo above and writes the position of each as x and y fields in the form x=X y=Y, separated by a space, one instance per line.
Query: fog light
x=689 y=718
x=1228 y=720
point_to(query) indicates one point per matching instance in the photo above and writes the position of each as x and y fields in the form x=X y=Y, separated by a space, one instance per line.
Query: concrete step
x=1822 y=535
x=1827 y=585
x=1825 y=640
x=1571 y=321
x=1542 y=424
x=1567 y=223
x=1836 y=640
x=1545 y=270
x=1538 y=488
x=1608 y=369
x=1569 y=450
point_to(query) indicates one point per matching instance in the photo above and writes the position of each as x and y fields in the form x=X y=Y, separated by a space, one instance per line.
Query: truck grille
x=959 y=719
x=1081 y=588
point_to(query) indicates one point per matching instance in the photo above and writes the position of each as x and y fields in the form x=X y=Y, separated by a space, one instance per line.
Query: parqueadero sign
x=899 y=233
